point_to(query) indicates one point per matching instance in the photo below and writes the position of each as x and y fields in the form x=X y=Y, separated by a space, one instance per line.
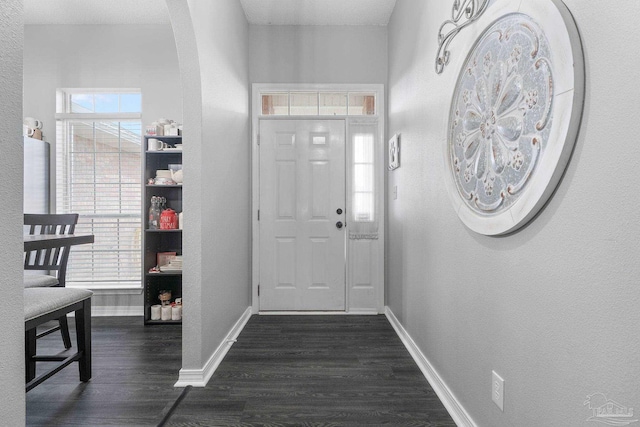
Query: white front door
x=302 y=212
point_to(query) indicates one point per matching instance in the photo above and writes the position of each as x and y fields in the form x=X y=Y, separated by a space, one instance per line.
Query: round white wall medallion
x=514 y=116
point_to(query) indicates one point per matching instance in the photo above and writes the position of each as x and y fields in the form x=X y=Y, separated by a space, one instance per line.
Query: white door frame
x=374 y=305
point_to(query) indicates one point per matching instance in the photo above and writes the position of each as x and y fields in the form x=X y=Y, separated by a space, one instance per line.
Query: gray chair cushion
x=41 y=301
x=39 y=281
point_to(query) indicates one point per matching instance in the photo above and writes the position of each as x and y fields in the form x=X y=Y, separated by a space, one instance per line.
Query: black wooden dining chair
x=53 y=261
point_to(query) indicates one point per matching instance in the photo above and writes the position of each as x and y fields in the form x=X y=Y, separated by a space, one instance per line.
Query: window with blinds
x=98 y=175
x=363 y=177
x=364 y=218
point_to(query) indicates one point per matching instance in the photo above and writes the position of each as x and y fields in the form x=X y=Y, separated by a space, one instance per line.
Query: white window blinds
x=98 y=175
x=364 y=218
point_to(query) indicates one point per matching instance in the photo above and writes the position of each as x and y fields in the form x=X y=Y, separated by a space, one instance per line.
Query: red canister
x=168 y=220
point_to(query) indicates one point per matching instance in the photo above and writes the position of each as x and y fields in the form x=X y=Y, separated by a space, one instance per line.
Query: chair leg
x=29 y=352
x=83 y=333
x=64 y=330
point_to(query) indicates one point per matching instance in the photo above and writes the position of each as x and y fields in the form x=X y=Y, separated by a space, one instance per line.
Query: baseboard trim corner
x=453 y=406
x=200 y=377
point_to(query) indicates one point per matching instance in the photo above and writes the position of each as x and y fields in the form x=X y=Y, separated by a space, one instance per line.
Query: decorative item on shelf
x=154 y=213
x=171 y=129
x=156 y=312
x=176 y=309
x=173 y=266
x=176 y=172
x=164 y=181
x=163 y=258
x=165 y=297
x=180 y=220
x=32 y=128
x=166 y=312
x=173 y=148
x=168 y=220
x=33 y=123
x=154 y=144
x=163 y=127
x=164 y=177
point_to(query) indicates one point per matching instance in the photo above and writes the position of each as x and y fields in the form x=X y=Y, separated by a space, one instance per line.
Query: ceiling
x=71 y=12
x=258 y=12
x=318 y=12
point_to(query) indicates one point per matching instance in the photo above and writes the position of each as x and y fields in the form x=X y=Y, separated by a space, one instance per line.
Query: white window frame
x=317 y=92
x=63 y=96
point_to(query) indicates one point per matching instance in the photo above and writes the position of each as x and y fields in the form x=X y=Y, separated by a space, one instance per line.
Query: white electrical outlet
x=497 y=390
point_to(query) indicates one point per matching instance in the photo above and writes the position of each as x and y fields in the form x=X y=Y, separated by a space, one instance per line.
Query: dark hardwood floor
x=134 y=369
x=315 y=371
x=324 y=371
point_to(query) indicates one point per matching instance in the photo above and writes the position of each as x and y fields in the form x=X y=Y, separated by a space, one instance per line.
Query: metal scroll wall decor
x=463 y=13
x=514 y=115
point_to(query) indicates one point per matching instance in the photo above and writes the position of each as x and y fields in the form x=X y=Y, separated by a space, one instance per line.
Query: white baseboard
x=116 y=310
x=455 y=409
x=318 y=313
x=364 y=312
x=200 y=377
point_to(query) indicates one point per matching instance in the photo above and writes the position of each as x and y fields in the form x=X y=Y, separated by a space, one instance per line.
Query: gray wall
x=317 y=54
x=101 y=56
x=213 y=50
x=12 y=410
x=554 y=307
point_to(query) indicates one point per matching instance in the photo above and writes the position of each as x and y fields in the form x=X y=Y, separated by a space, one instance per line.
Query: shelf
x=156 y=240
x=164 y=136
x=161 y=274
x=163 y=322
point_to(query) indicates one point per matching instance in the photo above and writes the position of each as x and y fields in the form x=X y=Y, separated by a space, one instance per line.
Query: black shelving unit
x=155 y=241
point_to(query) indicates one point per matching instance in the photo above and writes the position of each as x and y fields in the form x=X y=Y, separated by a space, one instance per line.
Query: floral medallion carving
x=501 y=125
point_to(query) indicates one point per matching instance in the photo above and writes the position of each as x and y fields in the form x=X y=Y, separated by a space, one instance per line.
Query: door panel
x=286 y=189
x=302 y=184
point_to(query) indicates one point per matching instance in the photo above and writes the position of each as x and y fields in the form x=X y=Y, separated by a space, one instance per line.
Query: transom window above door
x=318 y=103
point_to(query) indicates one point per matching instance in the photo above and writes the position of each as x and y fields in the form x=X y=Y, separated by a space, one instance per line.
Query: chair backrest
x=50 y=259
